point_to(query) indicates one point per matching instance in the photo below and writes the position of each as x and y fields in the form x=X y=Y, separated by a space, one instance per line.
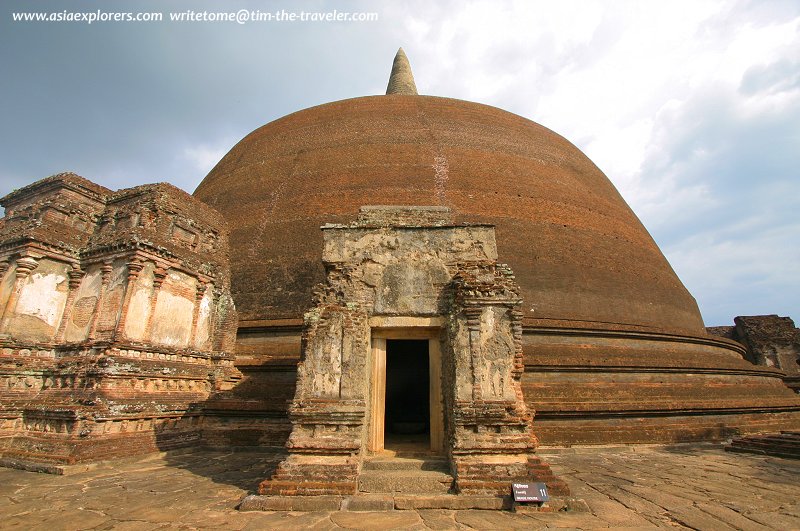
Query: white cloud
x=204 y=157
x=748 y=272
x=687 y=106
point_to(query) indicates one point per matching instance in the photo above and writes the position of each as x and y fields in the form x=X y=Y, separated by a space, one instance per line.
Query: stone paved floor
x=695 y=487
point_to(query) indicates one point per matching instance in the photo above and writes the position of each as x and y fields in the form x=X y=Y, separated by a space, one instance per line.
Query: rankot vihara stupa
x=412 y=275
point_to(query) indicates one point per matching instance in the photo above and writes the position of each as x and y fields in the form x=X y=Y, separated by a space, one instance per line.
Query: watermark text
x=242 y=16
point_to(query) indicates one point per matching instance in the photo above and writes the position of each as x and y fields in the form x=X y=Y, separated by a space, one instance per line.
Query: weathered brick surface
x=116 y=320
x=572 y=241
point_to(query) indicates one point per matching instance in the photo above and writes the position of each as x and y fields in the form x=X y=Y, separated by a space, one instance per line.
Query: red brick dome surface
x=581 y=256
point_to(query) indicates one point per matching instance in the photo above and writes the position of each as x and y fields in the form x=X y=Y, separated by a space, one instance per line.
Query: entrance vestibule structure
x=394 y=276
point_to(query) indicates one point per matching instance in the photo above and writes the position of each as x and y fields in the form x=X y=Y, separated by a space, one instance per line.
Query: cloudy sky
x=692 y=108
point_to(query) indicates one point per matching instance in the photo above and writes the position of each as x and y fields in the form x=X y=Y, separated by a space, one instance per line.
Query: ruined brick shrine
x=367 y=282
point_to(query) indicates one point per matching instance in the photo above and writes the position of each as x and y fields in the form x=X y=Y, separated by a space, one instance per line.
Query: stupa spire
x=401 y=80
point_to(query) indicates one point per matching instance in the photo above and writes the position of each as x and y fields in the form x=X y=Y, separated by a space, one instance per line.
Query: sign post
x=533 y=493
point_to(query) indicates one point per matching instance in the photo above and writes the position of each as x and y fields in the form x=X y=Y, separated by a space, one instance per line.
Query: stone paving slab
x=675 y=487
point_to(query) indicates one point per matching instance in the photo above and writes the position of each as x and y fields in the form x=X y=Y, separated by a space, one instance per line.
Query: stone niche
x=116 y=320
x=409 y=273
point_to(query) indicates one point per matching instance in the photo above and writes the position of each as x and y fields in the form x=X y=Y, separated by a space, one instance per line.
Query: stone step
x=768 y=443
x=405 y=481
x=389 y=502
x=451 y=502
x=785 y=444
x=766 y=450
x=435 y=464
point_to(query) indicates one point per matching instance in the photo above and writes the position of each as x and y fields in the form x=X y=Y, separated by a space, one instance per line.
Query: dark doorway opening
x=407 y=417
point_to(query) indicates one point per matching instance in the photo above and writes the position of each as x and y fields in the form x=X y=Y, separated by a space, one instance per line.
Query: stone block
x=451 y=502
x=369 y=502
x=416 y=481
x=290 y=503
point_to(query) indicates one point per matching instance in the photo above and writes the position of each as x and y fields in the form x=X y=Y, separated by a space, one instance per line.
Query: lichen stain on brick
x=441 y=172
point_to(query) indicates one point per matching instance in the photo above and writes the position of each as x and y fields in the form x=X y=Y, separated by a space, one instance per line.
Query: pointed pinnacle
x=401 y=81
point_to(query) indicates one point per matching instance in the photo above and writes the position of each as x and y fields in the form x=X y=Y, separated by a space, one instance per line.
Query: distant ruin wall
x=771 y=341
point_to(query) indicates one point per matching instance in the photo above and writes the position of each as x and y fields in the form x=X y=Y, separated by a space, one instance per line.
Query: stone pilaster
x=4 y=265
x=23 y=268
x=214 y=321
x=75 y=278
x=159 y=275
x=134 y=268
x=101 y=299
x=473 y=317
x=200 y=292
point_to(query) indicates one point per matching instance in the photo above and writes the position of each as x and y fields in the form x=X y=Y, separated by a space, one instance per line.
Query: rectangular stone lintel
x=382 y=324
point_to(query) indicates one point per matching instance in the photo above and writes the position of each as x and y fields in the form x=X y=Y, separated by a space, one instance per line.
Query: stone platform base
x=400 y=502
x=58 y=469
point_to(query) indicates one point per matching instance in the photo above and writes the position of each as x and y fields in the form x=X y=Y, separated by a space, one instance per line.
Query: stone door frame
x=383 y=329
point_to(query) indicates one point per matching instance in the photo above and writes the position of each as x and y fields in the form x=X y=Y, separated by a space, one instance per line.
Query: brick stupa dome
x=612 y=337
x=578 y=251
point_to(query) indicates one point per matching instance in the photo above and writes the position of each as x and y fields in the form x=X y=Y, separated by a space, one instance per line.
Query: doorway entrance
x=406 y=389
x=407 y=417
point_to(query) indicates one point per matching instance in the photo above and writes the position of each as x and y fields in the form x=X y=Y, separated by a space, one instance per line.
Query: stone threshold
x=401 y=502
